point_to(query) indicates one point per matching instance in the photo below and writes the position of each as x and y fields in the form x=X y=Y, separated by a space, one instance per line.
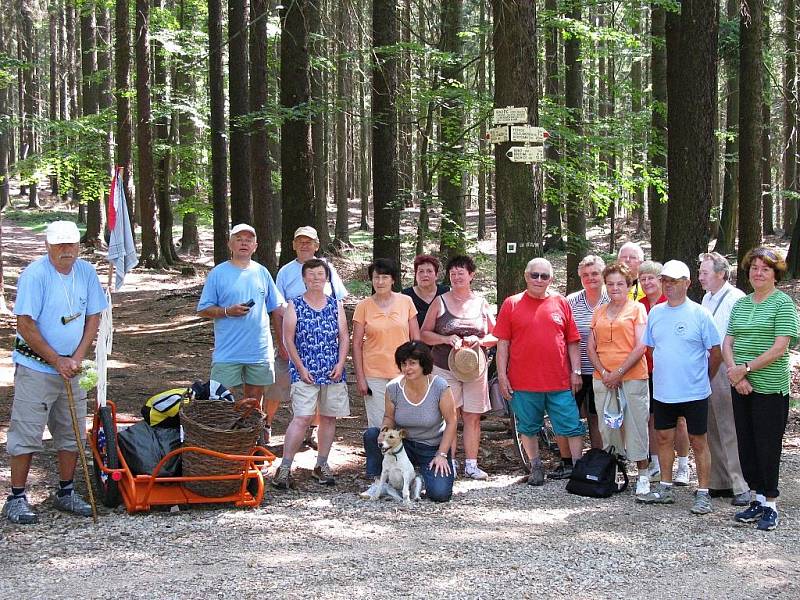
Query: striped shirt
x=582 y=314
x=754 y=327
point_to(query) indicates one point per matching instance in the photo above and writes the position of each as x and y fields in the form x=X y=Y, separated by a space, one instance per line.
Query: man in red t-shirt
x=539 y=363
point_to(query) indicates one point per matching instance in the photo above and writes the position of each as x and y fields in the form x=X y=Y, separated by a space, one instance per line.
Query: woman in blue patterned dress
x=316 y=338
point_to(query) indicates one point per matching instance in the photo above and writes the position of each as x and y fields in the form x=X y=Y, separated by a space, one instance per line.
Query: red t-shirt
x=538 y=330
x=649 y=352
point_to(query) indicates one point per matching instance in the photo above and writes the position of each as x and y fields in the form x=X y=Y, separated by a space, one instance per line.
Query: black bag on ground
x=595 y=475
x=143 y=448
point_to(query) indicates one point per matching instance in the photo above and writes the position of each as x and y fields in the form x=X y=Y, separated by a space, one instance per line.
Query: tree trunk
x=150 y=256
x=53 y=100
x=122 y=68
x=750 y=89
x=363 y=133
x=386 y=239
x=692 y=92
x=341 y=196
x=5 y=116
x=789 y=118
x=260 y=163
x=553 y=190
x=657 y=148
x=27 y=96
x=219 y=147
x=518 y=185
x=297 y=156
x=319 y=216
x=90 y=104
x=238 y=99
x=405 y=131
x=768 y=224
x=638 y=143
x=482 y=9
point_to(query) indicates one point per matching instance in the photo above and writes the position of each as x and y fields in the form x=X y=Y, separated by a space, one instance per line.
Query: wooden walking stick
x=79 y=441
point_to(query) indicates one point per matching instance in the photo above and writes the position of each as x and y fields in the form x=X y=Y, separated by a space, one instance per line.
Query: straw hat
x=466 y=364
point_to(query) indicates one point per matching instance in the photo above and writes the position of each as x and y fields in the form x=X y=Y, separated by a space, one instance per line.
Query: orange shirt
x=384 y=331
x=615 y=338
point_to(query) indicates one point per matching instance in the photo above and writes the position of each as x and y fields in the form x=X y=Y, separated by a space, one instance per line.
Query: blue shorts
x=530 y=408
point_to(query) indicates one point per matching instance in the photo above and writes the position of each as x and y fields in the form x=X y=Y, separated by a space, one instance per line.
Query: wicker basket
x=217 y=426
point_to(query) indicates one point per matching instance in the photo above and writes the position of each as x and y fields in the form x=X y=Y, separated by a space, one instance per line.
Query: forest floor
x=498 y=537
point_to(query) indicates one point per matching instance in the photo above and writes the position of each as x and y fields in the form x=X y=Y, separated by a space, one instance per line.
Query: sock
x=17 y=492
x=321 y=460
x=65 y=488
x=773 y=505
x=287 y=462
x=567 y=462
x=643 y=473
x=702 y=490
x=654 y=461
x=666 y=484
x=683 y=462
x=761 y=499
x=470 y=464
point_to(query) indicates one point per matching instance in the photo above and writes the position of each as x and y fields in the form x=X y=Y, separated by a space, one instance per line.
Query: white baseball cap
x=63 y=232
x=676 y=270
x=243 y=227
x=306 y=231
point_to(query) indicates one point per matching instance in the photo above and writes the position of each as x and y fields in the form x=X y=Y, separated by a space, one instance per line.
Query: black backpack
x=595 y=474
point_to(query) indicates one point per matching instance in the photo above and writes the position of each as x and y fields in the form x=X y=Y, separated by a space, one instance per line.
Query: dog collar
x=399 y=449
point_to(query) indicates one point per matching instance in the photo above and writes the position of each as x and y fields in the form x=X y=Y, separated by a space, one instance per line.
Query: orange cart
x=116 y=483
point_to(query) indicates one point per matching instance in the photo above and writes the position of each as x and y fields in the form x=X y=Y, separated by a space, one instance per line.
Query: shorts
x=332 y=399
x=280 y=389
x=585 y=395
x=471 y=397
x=41 y=399
x=233 y=375
x=665 y=415
x=530 y=408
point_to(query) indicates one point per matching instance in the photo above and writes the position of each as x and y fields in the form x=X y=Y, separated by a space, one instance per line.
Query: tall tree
x=27 y=91
x=54 y=65
x=145 y=190
x=750 y=89
x=318 y=124
x=657 y=147
x=90 y=105
x=219 y=147
x=768 y=224
x=341 y=196
x=553 y=189
x=453 y=229
x=122 y=68
x=789 y=116
x=518 y=186
x=386 y=239
x=482 y=169
x=238 y=98
x=297 y=157
x=5 y=119
x=692 y=98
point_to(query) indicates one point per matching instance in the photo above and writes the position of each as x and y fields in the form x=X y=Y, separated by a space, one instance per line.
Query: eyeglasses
x=534 y=275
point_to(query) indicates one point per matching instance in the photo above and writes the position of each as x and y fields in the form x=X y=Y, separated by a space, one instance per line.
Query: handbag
x=614 y=408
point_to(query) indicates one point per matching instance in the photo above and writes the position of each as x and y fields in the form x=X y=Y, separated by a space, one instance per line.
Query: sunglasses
x=534 y=275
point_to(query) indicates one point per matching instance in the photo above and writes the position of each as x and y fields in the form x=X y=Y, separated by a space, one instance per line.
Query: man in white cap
x=58 y=306
x=726 y=473
x=238 y=295
x=686 y=356
x=290 y=284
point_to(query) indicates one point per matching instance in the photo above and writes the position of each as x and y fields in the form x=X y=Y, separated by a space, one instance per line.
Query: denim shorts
x=530 y=408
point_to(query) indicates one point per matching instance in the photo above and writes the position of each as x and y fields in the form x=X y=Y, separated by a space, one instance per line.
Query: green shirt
x=754 y=327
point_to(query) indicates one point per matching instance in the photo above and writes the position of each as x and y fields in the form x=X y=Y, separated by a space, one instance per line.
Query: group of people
x=651 y=371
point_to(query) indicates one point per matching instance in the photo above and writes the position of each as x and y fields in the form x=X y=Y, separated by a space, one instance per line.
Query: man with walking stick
x=58 y=306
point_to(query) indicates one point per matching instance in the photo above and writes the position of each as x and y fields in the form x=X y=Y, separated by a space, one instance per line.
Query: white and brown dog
x=397 y=475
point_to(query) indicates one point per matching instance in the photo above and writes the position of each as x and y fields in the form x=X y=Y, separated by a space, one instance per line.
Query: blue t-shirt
x=316 y=337
x=46 y=295
x=290 y=282
x=245 y=339
x=680 y=337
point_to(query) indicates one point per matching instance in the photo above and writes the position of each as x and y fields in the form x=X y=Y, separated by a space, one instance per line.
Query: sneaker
x=73 y=503
x=17 y=510
x=562 y=471
x=537 y=475
x=742 y=499
x=750 y=514
x=311 y=438
x=702 y=504
x=282 y=479
x=661 y=495
x=476 y=473
x=324 y=475
x=654 y=473
x=768 y=520
x=681 y=476
x=643 y=485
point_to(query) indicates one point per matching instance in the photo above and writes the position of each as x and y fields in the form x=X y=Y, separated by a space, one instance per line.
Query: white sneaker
x=681 y=476
x=643 y=485
x=476 y=473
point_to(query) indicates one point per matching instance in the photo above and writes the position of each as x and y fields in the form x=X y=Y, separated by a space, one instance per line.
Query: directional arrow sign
x=497 y=135
x=511 y=114
x=526 y=133
x=526 y=154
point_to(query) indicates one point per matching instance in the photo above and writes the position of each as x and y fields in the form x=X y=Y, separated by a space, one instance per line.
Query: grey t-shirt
x=423 y=422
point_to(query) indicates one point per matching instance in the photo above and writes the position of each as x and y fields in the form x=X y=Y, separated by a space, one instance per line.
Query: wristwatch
x=747 y=367
x=577 y=372
x=442 y=454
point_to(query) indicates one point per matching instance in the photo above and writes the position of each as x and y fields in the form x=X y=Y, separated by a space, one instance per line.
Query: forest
x=676 y=118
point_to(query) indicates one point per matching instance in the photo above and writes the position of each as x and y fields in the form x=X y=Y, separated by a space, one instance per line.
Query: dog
x=397 y=475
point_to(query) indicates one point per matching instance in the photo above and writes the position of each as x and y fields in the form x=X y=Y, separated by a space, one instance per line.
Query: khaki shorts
x=233 y=375
x=472 y=397
x=332 y=399
x=41 y=399
x=280 y=389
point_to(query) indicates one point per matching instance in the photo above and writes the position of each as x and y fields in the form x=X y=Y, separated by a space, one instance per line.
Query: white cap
x=306 y=231
x=243 y=227
x=63 y=232
x=676 y=270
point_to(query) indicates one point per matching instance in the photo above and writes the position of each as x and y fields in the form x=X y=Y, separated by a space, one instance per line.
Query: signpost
x=528 y=134
x=526 y=154
x=497 y=135
x=509 y=115
x=512 y=126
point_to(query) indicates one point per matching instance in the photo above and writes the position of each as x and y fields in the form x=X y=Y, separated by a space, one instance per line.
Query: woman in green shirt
x=756 y=351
